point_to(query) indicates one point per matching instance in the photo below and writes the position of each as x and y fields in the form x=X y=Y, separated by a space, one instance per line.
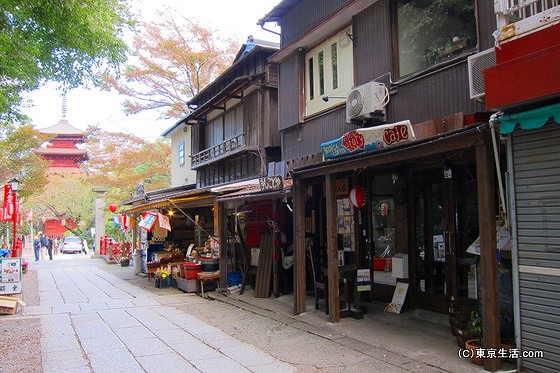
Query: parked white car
x=71 y=245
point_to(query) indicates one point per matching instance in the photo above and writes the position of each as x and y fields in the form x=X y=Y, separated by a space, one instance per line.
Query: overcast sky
x=93 y=107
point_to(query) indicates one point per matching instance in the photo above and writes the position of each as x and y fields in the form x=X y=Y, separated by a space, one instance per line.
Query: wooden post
x=299 y=247
x=275 y=263
x=332 y=248
x=221 y=226
x=488 y=259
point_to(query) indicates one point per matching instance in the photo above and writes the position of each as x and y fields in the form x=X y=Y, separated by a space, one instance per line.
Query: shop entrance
x=445 y=224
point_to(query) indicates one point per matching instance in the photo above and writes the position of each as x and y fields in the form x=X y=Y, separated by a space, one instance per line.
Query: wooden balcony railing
x=219 y=151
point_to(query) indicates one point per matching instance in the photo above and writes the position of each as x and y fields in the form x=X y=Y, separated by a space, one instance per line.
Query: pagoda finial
x=64 y=105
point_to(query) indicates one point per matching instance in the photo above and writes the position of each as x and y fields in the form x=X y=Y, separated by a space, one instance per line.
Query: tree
x=69 y=42
x=121 y=161
x=19 y=160
x=116 y=160
x=175 y=60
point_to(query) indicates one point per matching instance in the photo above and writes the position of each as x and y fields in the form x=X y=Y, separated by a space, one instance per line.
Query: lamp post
x=15 y=186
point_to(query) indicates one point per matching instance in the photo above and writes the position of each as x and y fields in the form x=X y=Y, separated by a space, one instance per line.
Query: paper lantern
x=113 y=207
x=357 y=196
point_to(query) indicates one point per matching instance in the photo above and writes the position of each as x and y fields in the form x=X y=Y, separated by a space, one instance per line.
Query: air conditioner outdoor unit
x=476 y=64
x=366 y=100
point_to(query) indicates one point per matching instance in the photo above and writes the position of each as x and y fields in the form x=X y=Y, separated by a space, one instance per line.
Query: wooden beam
x=488 y=258
x=299 y=247
x=332 y=248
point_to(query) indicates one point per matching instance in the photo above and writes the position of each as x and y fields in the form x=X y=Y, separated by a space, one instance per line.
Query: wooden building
x=349 y=68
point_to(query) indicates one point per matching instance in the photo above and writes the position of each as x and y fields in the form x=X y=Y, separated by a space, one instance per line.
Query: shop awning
x=531 y=119
x=254 y=192
x=193 y=198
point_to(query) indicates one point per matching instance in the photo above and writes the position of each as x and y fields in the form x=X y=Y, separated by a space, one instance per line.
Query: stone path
x=93 y=321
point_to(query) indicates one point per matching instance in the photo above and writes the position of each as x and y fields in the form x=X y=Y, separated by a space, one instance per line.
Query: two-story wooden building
x=392 y=160
x=235 y=144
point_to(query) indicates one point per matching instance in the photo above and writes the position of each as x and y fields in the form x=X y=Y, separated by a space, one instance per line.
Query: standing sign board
x=398 y=298
x=10 y=276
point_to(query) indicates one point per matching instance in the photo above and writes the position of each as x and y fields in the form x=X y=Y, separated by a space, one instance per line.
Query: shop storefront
x=257 y=229
x=406 y=214
x=173 y=226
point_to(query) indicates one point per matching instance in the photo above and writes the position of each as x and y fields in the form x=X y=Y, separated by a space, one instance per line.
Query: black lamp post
x=15 y=187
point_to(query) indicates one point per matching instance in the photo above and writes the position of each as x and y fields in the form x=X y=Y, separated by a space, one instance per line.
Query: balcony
x=527 y=55
x=222 y=150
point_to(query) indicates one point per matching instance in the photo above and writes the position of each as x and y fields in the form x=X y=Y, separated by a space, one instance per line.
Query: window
x=432 y=32
x=182 y=153
x=329 y=72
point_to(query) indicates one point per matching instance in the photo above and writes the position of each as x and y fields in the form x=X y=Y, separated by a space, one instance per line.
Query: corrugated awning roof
x=254 y=192
x=192 y=198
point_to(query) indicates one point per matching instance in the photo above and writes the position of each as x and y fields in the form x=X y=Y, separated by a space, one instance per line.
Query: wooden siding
x=289 y=91
x=306 y=15
x=439 y=94
x=304 y=140
x=372 y=30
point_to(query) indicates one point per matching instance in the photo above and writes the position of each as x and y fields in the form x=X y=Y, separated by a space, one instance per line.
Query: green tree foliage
x=18 y=159
x=70 y=42
x=175 y=60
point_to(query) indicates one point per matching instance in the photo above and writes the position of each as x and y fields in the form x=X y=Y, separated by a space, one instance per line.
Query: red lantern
x=113 y=207
x=357 y=196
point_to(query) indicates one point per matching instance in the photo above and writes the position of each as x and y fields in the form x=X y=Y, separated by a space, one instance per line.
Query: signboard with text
x=10 y=276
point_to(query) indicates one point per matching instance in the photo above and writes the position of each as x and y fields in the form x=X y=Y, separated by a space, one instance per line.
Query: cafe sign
x=369 y=139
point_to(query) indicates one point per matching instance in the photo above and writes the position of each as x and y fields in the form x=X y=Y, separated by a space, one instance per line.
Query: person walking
x=43 y=242
x=50 y=247
x=37 y=247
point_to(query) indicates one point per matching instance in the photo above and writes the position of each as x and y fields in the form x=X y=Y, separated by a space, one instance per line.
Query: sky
x=87 y=107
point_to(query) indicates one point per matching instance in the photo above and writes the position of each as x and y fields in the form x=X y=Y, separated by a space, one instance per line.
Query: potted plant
x=125 y=253
x=465 y=325
x=475 y=343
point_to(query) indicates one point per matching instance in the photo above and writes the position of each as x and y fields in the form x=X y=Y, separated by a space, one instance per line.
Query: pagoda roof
x=62 y=151
x=62 y=128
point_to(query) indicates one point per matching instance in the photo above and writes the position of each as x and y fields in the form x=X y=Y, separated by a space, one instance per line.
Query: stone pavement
x=93 y=321
x=103 y=318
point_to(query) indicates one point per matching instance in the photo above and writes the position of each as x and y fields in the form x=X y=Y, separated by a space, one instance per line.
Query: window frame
x=181 y=153
x=327 y=76
x=399 y=76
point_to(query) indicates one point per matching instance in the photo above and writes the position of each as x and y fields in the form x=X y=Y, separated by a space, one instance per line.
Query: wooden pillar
x=488 y=259
x=299 y=247
x=275 y=263
x=221 y=226
x=332 y=248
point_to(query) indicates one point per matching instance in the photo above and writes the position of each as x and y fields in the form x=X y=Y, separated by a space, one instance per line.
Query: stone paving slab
x=93 y=321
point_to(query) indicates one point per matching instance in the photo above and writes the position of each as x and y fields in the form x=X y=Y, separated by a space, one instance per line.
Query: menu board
x=10 y=276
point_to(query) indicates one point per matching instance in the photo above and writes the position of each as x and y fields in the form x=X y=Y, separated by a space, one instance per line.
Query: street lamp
x=15 y=187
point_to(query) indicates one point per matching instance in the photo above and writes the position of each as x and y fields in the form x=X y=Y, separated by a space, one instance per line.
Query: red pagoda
x=64 y=157
x=62 y=151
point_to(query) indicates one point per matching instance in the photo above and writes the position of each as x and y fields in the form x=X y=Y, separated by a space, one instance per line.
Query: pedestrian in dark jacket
x=37 y=248
x=50 y=246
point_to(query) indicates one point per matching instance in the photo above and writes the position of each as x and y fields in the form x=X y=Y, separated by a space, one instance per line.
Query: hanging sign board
x=369 y=139
x=10 y=275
